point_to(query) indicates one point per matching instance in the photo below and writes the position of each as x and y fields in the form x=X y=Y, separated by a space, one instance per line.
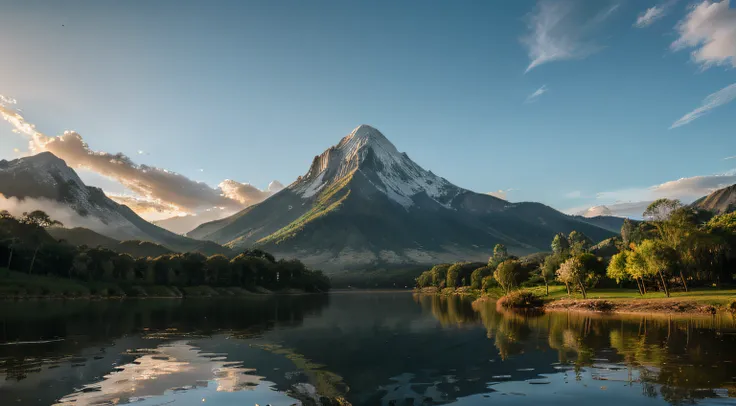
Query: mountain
x=187 y=223
x=721 y=201
x=362 y=204
x=83 y=236
x=45 y=182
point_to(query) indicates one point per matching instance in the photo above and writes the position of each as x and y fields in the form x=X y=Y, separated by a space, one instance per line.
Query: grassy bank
x=18 y=285
x=696 y=301
x=700 y=300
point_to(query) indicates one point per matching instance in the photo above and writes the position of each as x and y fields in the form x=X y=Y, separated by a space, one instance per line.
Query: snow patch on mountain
x=367 y=150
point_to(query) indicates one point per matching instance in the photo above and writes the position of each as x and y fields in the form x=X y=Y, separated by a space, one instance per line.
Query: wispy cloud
x=575 y=194
x=729 y=157
x=155 y=189
x=709 y=28
x=686 y=189
x=717 y=99
x=534 y=96
x=652 y=14
x=558 y=31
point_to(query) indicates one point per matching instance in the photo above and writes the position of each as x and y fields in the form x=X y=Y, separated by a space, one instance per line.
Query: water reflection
x=680 y=360
x=370 y=349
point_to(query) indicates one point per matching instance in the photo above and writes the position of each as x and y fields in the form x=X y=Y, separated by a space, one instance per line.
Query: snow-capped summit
x=367 y=150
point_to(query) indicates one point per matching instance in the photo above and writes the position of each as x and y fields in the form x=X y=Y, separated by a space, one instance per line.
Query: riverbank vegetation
x=675 y=252
x=37 y=265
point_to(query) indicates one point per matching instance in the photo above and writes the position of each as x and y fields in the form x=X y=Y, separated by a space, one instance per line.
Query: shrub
x=520 y=300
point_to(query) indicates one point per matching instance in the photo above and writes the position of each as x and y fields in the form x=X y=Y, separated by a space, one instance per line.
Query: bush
x=732 y=307
x=520 y=300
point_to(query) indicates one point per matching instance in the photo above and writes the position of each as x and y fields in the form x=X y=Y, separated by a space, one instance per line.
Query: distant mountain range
x=45 y=182
x=362 y=204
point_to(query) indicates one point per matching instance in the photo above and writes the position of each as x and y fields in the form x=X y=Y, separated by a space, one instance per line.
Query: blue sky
x=252 y=91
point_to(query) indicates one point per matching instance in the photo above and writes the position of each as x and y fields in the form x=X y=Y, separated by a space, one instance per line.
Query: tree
x=593 y=269
x=439 y=275
x=560 y=245
x=507 y=273
x=215 y=266
x=636 y=267
x=453 y=274
x=660 y=209
x=476 y=278
x=617 y=268
x=578 y=242
x=627 y=231
x=660 y=258
x=572 y=273
x=425 y=279
x=124 y=265
x=547 y=270
x=5 y=215
x=40 y=219
x=192 y=264
x=500 y=254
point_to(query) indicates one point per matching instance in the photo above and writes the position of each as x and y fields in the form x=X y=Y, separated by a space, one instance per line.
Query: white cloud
x=709 y=28
x=558 y=32
x=534 y=96
x=685 y=189
x=153 y=188
x=652 y=14
x=717 y=99
x=729 y=157
x=56 y=210
x=575 y=194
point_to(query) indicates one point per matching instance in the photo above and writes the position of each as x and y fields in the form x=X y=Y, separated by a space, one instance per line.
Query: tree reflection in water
x=681 y=359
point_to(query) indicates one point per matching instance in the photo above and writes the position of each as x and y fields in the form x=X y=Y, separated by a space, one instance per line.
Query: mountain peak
x=365 y=136
x=367 y=151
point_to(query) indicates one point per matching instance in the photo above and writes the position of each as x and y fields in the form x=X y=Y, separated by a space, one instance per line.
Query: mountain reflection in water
x=355 y=348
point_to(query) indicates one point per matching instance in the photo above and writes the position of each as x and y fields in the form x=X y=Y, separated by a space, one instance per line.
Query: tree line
x=25 y=246
x=674 y=247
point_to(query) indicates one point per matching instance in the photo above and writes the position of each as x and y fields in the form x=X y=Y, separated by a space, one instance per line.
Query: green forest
x=37 y=264
x=675 y=248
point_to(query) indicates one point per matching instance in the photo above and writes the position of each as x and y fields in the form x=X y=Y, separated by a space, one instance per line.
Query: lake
x=358 y=348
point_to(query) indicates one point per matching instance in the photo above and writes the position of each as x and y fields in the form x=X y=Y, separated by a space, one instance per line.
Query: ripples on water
x=355 y=348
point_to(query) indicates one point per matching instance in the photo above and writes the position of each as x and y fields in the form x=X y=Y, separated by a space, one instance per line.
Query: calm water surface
x=358 y=349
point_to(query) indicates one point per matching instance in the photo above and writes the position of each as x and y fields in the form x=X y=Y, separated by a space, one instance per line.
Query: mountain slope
x=362 y=204
x=82 y=236
x=44 y=181
x=721 y=201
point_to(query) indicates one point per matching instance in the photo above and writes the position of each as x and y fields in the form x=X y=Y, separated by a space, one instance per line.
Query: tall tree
x=560 y=244
x=572 y=273
x=507 y=274
x=660 y=259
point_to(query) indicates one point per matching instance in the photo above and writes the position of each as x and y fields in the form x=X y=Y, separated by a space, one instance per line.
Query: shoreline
x=688 y=305
x=635 y=306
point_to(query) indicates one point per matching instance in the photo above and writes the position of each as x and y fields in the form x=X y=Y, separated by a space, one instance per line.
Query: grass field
x=712 y=296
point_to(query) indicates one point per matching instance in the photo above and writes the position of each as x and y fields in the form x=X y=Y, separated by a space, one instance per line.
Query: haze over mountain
x=45 y=182
x=364 y=204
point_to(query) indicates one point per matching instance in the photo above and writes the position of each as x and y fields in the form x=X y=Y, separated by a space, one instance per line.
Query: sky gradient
x=570 y=103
